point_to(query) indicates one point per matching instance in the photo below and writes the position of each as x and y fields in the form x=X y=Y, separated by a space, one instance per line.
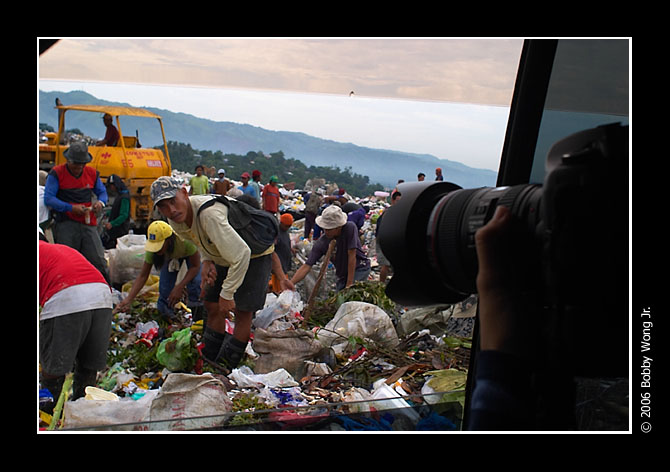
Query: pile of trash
x=296 y=373
x=351 y=361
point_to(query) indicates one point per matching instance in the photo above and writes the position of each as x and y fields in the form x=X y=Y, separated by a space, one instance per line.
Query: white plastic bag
x=286 y=304
x=244 y=377
x=127 y=259
x=359 y=319
x=389 y=399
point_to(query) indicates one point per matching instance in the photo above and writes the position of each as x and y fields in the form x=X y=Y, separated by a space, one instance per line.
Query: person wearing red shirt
x=111 y=135
x=271 y=196
x=69 y=192
x=75 y=319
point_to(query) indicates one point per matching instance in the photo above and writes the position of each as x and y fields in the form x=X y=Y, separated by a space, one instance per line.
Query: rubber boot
x=213 y=341
x=198 y=313
x=54 y=385
x=81 y=379
x=232 y=352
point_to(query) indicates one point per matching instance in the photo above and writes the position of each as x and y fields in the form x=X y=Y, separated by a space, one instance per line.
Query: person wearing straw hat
x=167 y=252
x=351 y=263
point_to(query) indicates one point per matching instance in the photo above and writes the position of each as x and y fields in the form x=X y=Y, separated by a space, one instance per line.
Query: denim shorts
x=250 y=296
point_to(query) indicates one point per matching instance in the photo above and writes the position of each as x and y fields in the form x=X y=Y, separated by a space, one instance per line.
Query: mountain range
x=381 y=166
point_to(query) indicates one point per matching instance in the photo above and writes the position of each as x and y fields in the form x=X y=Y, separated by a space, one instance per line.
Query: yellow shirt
x=199 y=185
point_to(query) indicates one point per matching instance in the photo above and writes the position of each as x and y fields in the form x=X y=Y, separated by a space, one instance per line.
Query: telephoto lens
x=429 y=237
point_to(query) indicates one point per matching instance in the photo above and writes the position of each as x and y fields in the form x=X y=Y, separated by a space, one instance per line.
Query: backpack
x=258 y=228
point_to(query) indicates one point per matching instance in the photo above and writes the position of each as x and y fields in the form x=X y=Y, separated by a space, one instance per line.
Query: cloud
x=443 y=69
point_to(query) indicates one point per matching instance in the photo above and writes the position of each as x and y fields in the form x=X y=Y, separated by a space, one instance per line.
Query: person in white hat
x=221 y=185
x=166 y=251
x=351 y=262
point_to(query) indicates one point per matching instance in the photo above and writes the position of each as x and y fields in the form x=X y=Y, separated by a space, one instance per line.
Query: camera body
x=570 y=249
x=570 y=229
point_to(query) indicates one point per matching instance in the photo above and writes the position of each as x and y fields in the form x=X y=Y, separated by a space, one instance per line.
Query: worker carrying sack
x=258 y=228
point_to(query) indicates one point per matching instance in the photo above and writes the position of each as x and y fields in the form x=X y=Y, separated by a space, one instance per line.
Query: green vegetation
x=185 y=158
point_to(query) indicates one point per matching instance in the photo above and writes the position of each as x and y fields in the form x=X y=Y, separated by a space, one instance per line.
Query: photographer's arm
x=501 y=319
x=502 y=379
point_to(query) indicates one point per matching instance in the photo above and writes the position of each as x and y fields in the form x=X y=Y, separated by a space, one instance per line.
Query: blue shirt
x=248 y=190
x=51 y=189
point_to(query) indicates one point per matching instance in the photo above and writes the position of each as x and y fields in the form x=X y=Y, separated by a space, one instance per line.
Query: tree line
x=184 y=158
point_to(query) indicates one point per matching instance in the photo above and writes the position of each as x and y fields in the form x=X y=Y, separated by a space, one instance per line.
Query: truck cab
x=137 y=166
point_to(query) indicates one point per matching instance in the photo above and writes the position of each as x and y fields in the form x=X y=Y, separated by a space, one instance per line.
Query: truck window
x=589 y=87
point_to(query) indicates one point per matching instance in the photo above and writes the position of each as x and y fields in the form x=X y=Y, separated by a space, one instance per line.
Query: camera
x=569 y=253
x=572 y=231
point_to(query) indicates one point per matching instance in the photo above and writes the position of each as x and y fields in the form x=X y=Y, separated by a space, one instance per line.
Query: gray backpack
x=258 y=228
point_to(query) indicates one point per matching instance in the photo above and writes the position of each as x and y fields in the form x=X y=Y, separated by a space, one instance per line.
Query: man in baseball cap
x=233 y=279
x=351 y=263
x=167 y=253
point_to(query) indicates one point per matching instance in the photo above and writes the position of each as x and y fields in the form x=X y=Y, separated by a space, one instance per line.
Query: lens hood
x=403 y=241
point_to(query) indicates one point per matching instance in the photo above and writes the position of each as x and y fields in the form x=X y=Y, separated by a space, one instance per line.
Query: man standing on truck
x=111 y=135
x=69 y=191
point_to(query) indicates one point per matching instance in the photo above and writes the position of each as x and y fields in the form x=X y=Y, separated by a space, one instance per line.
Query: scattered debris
x=356 y=362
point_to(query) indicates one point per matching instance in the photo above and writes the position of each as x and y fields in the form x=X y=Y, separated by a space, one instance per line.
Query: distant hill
x=381 y=166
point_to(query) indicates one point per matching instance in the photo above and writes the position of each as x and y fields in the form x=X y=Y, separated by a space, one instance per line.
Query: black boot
x=81 y=379
x=232 y=352
x=213 y=341
x=54 y=385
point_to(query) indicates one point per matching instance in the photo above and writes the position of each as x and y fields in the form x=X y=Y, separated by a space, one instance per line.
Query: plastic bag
x=127 y=259
x=434 y=318
x=286 y=304
x=358 y=319
x=176 y=353
x=149 y=292
x=244 y=377
x=388 y=399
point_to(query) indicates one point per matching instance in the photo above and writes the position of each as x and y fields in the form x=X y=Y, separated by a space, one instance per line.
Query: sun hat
x=164 y=187
x=286 y=219
x=157 y=233
x=331 y=218
x=78 y=153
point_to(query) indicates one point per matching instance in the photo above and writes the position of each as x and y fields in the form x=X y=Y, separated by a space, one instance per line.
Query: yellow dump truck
x=137 y=166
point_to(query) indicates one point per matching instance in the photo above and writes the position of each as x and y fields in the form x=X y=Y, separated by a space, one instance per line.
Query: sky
x=448 y=97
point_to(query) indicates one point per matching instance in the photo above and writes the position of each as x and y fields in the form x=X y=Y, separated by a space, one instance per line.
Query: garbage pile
x=353 y=361
x=296 y=373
